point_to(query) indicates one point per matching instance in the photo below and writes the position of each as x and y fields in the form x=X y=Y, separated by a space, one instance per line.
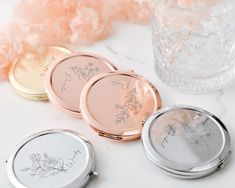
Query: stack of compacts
x=185 y=141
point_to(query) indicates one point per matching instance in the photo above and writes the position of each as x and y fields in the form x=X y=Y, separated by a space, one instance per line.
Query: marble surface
x=119 y=164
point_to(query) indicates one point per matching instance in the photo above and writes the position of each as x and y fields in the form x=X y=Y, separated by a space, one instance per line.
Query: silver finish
x=186 y=141
x=52 y=158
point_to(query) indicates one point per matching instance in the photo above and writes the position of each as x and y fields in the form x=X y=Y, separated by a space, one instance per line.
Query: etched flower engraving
x=131 y=103
x=198 y=135
x=44 y=165
x=34 y=60
x=85 y=73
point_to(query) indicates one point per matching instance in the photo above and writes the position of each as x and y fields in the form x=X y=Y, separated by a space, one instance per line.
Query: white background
x=119 y=164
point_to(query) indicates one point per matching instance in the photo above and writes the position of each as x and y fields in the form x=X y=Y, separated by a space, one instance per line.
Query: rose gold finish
x=116 y=104
x=65 y=79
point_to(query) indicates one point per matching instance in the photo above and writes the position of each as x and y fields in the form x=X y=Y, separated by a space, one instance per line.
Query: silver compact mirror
x=53 y=158
x=185 y=141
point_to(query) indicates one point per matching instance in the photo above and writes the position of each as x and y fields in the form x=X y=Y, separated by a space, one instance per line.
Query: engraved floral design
x=197 y=136
x=45 y=166
x=200 y=134
x=131 y=104
x=86 y=72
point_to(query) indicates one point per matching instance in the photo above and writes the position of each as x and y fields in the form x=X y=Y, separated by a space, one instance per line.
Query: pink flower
x=63 y=22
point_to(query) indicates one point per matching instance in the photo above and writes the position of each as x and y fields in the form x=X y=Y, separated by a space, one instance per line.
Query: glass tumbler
x=194 y=43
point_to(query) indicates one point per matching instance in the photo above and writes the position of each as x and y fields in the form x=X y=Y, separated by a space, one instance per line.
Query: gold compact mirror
x=27 y=73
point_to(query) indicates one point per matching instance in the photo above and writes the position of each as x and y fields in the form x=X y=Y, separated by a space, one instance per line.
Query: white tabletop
x=119 y=164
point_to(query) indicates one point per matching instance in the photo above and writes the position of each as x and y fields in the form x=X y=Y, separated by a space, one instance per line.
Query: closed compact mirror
x=27 y=73
x=53 y=158
x=116 y=104
x=186 y=141
x=66 y=78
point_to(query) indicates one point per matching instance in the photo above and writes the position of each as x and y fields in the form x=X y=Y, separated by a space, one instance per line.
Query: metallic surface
x=186 y=141
x=27 y=73
x=116 y=104
x=65 y=79
x=53 y=158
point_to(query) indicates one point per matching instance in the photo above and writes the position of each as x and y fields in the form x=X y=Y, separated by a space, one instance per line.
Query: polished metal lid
x=53 y=158
x=26 y=75
x=115 y=104
x=186 y=141
x=66 y=78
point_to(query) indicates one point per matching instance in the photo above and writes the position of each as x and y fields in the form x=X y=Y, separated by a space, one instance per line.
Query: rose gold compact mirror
x=116 y=104
x=65 y=79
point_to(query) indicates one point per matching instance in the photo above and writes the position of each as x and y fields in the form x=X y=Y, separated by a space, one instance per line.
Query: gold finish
x=27 y=73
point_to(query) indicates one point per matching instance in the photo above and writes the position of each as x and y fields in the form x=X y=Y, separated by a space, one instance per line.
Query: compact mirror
x=116 y=104
x=66 y=78
x=53 y=158
x=185 y=141
x=27 y=73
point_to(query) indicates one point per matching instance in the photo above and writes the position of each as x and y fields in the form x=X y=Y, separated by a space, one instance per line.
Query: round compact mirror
x=53 y=158
x=65 y=79
x=116 y=104
x=27 y=73
x=186 y=141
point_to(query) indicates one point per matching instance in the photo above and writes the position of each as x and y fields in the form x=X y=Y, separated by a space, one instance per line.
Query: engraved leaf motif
x=122 y=115
x=131 y=104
